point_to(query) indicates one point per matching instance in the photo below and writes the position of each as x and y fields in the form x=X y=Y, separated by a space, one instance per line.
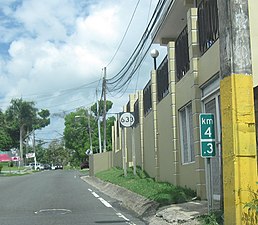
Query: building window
x=186 y=134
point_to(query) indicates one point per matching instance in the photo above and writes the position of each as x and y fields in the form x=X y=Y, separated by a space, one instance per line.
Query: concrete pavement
x=185 y=213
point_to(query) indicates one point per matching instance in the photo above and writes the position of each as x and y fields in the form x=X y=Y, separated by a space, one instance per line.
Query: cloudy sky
x=53 y=52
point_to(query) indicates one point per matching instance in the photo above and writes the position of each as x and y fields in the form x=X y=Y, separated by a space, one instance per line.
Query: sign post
x=126 y=120
x=207 y=135
x=208 y=148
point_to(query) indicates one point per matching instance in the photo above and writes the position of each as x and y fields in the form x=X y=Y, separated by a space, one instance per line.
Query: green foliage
x=161 y=192
x=1 y=167
x=93 y=108
x=250 y=216
x=54 y=154
x=19 y=117
x=214 y=218
x=77 y=132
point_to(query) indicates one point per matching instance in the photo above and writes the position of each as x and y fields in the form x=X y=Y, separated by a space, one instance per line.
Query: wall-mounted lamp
x=154 y=54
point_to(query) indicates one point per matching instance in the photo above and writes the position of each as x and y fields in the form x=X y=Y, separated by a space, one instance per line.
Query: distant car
x=38 y=166
x=58 y=167
x=47 y=167
x=84 y=165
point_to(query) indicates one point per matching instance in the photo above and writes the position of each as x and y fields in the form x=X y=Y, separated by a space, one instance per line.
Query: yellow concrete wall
x=117 y=159
x=209 y=64
x=149 y=160
x=100 y=162
x=253 y=8
x=129 y=146
x=165 y=139
x=187 y=172
x=138 y=154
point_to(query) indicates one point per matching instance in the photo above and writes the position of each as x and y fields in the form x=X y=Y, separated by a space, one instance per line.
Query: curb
x=141 y=206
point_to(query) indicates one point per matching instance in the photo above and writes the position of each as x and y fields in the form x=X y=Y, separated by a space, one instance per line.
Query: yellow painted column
x=237 y=109
x=238 y=145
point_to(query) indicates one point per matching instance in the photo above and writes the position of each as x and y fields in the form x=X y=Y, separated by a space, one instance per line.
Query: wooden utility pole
x=237 y=109
x=99 y=133
x=105 y=111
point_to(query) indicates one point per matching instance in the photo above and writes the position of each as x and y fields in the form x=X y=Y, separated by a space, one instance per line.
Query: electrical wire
x=119 y=82
x=121 y=42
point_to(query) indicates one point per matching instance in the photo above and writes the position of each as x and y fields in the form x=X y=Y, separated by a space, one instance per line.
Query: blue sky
x=51 y=50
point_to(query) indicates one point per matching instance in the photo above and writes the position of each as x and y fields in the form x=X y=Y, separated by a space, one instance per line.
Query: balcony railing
x=208 y=24
x=182 y=54
x=128 y=107
x=162 y=79
x=136 y=113
x=147 y=100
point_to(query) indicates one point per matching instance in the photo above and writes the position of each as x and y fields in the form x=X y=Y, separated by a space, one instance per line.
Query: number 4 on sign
x=208 y=132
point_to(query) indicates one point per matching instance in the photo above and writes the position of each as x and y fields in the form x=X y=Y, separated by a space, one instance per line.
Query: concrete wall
x=148 y=137
x=165 y=140
x=157 y=137
x=100 y=162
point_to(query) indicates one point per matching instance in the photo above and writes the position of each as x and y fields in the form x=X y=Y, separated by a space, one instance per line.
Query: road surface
x=58 y=197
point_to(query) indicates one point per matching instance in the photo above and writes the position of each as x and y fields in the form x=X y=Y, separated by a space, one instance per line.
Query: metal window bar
x=117 y=128
x=208 y=24
x=147 y=100
x=136 y=112
x=128 y=107
x=162 y=79
x=182 y=54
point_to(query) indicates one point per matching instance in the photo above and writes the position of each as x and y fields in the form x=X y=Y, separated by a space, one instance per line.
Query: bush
x=1 y=167
x=250 y=217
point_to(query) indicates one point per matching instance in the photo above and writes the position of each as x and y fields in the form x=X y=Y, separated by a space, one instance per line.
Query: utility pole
x=237 y=109
x=34 y=150
x=105 y=111
x=88 y=112
x=100 y=146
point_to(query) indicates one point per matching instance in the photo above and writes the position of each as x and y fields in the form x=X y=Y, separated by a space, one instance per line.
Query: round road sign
x=126 y=119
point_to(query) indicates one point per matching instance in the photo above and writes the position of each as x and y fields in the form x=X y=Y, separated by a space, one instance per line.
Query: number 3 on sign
x=210 y=150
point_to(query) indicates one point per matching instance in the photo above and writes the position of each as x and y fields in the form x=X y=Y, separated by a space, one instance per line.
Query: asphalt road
x=58 y=198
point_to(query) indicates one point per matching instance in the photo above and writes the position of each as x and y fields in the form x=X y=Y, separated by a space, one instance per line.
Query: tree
x=93 y=108
x=5 y=138
x=76 y=132
x=22 y=116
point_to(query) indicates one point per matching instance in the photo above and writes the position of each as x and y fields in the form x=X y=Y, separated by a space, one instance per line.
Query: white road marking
x=105 y=203
x=122 y=216
x=95 y=194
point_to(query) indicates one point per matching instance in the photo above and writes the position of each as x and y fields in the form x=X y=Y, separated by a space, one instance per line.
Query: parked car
x=47 y=167
x=39 y=166
x=84 y=165
x=58 y=167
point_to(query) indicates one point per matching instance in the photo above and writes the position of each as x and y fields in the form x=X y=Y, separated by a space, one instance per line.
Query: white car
x=38 y=166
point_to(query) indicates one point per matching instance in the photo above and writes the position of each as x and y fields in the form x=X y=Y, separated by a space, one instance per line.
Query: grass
x=11 y=170
x=161 y=192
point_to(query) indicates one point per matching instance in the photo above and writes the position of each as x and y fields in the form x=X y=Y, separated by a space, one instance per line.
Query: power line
x=124 y=34
x=120 y=81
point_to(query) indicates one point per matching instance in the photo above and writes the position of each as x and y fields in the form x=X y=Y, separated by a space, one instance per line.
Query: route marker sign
x=126 y=119
x=207 y=135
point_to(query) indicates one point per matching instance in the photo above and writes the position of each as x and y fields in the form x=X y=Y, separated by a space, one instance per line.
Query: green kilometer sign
x=207 y=135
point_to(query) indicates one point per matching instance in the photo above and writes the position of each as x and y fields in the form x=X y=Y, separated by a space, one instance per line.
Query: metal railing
x=162 y=79
x=182 y=54
x=147 y=100
x=208 y=24
x=136 y=113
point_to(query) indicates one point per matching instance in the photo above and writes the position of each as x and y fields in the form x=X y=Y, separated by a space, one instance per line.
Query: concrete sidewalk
x=185 y=213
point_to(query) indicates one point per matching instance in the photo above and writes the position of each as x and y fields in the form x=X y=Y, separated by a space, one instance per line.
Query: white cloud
x=62 y=44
